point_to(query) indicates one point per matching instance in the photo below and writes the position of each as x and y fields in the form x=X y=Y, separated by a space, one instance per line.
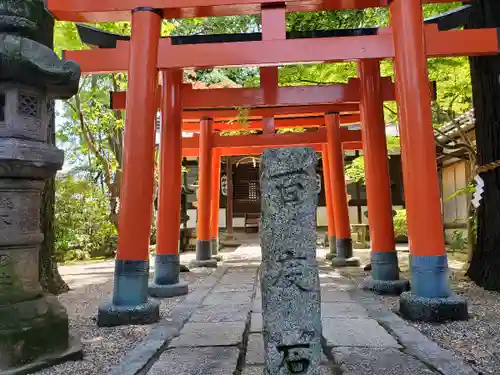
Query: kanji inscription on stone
x=291 y=305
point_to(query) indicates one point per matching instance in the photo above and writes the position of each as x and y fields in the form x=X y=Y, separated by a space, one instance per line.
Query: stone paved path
x=218 y=331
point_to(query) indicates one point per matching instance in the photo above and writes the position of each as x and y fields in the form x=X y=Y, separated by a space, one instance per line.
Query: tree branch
x=90 y=141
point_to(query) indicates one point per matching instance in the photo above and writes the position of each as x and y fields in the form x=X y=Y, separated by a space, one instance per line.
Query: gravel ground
x=476 y=341
x=103 y=347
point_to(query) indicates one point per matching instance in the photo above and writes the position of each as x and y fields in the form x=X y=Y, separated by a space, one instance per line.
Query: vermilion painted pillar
x=332 y=239
x=431 y=298
x=229 y=199
x=167 y=265
x=215 y=204
x=130 y=303
x=385 y=271
x=340 y=208
x=203 y=248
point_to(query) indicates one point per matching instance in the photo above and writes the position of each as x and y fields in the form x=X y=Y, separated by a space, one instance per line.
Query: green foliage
x=458 y=241
x=82 y=224
x=400 y=224
x=356 y=170
x=469 y=189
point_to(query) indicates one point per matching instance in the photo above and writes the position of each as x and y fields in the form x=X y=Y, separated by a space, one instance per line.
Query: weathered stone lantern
x=33 y=326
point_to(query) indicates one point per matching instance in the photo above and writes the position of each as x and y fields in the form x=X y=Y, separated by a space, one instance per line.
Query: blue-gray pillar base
x=344 y=248
x=130 y=303
x=389 y=287
x=203 y=250
x=344 y=256
x=167 y=291
x=210 y=263
x=385 y=266
x=431 y=299
x=385 y=275
x=343 y=262
x=426 y=309
x=203 y=255
x=332 y=243
x=110 y=315
x=166 y=283
x=214 y=244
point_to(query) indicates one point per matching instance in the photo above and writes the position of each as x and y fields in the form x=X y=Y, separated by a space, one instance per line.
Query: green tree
x=91 y=132
x=485 y=265
x=82 y=226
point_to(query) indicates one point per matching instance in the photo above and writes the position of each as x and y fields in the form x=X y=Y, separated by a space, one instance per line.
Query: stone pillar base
x=210 y=263
x=166 y=283
x=344 y=248
x=34 y=335
x=429 y=276
x=110 y=315
x=167 y=291
x=428 y=309
x=385 y=266
x=214 y=245
x=332 y=243
x=203 y=255
x=346 y=262
x=389 y=287
x=130 y=303
x=203 y=249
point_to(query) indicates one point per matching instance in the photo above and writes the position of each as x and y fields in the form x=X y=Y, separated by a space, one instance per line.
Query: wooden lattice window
x=252 y=191
x=28 y=105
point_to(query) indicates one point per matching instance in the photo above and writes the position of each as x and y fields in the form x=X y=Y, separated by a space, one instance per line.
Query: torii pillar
x=384 y=259
x=167 y=265
x=203 y=243
x=332 y=239
x=431 y=298
x=344 y=256
x=130 y=304
x=215 y=204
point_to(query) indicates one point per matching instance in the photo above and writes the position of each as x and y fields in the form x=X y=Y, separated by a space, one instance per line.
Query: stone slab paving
x=357 y=332
x=218 y=331
x=328 y=295
x=228 y=298
x=220 y=313
x=342 y=310
x=256 y=322
x=259 y=370
x=210 y=334
x=378 y=361
x=197 y=361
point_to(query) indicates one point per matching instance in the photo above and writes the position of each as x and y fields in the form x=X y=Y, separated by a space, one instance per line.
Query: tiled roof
x=466 y=122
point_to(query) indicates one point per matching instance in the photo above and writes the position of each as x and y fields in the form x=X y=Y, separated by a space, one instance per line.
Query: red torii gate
x=408 y=42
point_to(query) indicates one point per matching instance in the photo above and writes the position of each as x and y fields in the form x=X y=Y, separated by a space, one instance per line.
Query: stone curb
x=141 y=357
x=415 y=343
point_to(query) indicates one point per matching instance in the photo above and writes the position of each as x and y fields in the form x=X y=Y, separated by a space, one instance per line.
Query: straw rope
x=488 y=167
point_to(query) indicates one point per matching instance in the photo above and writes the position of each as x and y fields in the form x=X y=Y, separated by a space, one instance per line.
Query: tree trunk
x=484 y=269
x=50 y=279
